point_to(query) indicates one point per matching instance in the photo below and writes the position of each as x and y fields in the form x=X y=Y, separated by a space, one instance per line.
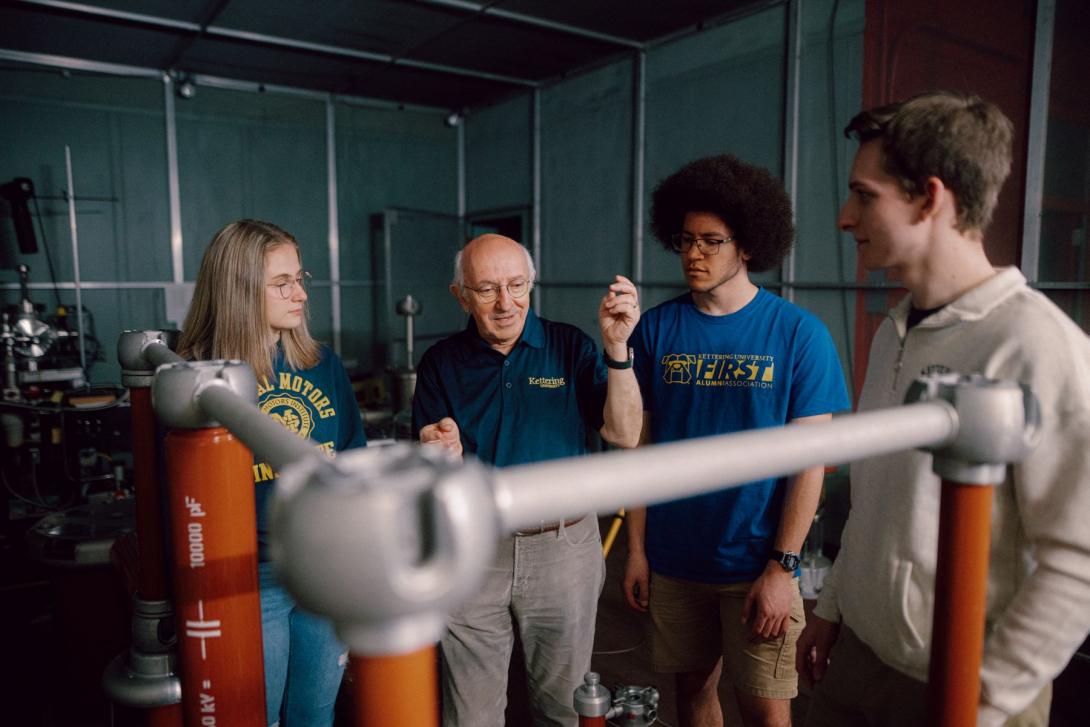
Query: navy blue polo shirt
x=535 y=403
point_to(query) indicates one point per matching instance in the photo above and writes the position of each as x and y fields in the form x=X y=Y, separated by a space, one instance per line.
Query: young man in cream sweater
x=923 y=187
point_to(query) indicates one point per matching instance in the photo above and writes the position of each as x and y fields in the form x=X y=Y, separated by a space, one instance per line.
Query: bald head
x=486 y=246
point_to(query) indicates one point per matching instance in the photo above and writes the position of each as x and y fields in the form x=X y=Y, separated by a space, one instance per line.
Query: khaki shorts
x=696 y=623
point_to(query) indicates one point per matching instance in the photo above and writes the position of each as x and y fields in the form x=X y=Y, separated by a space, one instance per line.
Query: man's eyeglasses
x=286 y=289
x=682 y=243
x=488 y=293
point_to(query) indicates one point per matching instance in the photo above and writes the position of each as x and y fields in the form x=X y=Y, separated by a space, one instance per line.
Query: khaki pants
x=859 y=690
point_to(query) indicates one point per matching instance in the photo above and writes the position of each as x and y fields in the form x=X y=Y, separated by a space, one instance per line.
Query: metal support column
x=334 y=237
x=792 y=72
x=535 y=184
x=173 y=188
x=1037 y=138
x=639 y=127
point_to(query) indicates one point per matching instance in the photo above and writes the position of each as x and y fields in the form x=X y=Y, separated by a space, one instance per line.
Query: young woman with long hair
x=250 y=303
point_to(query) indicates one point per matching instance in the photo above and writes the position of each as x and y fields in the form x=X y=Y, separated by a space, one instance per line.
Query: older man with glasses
x=718 y=572
x=513 y=388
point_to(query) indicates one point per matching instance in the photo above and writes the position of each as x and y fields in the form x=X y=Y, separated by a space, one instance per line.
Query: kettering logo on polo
x=547 y=382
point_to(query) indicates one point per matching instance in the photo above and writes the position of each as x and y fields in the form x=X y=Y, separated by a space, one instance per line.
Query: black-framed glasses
x=286 y=289
x=682 y=243
x=488 y=293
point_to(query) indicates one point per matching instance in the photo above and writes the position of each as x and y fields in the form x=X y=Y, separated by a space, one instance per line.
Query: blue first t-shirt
x=700 y=375
x=316 y=404
x=536 y=403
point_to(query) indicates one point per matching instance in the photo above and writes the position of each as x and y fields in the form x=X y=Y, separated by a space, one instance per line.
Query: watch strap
x=627 y=364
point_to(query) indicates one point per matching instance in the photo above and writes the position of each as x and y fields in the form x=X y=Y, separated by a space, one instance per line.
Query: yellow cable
x=614 y=528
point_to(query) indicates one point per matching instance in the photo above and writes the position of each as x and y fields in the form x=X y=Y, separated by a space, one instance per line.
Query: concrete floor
x=622 y=652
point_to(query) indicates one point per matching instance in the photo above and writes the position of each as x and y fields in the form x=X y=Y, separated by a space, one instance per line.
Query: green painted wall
x=264 y=155
x=721 y=90
x=240 y=154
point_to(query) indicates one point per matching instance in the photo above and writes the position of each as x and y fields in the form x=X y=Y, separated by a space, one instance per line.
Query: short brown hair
x=960 y=138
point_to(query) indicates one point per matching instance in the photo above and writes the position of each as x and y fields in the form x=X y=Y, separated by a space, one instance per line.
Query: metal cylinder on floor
x=214 y=537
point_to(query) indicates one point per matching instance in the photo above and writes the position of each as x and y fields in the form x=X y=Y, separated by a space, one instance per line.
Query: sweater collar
x=973 y=305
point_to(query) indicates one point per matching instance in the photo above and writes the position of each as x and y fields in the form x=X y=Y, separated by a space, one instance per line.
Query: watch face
x=788 y=561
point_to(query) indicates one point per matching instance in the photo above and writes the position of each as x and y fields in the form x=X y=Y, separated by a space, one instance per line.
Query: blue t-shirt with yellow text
x=700 y=375
x=317 y=404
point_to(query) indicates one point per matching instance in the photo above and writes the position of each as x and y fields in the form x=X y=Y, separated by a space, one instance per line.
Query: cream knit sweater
x=1038 y=603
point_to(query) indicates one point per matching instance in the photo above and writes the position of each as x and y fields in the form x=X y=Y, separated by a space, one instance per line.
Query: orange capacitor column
x=214 y=537
x=396 y=690
x=961 y=581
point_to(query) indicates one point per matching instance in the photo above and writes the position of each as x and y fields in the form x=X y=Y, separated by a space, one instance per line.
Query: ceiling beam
x=232 y=34
x=491 y=11
x=201 y=79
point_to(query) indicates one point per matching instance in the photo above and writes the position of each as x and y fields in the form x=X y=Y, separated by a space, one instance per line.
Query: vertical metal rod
x=177 y=258
x=961 y=584
x=71 y=194
x=792 y=69
x=639 y=129
x=388 y=220
x=461 y=142
x=334 y=238
x=1037 y=138
x=535 y=186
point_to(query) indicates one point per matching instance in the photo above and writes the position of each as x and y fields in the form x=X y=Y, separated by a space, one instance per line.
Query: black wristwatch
x=619 y=364
x=788 y=561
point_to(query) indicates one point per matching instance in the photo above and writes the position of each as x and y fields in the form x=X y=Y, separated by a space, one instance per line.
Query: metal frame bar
x=792 y=74
x=215 y=31
x=460 y=141
x=334 y=238
x=1037 y=138
x=389 y=218
x=177 y=247
x=535 y=186
x=78 y=64
x=728 y=17
x=639 y=133
x=230 y=84
x=531 y=20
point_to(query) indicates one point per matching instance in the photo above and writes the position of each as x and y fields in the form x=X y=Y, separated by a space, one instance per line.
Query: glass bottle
x=814 y=566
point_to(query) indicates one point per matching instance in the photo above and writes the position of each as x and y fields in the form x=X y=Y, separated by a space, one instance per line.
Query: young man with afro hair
x=718 y=572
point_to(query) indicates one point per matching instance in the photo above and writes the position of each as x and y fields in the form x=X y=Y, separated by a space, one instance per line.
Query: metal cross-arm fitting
x=140 y=352
x=198 y=394
x=1000 y=423
x=384 y=542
